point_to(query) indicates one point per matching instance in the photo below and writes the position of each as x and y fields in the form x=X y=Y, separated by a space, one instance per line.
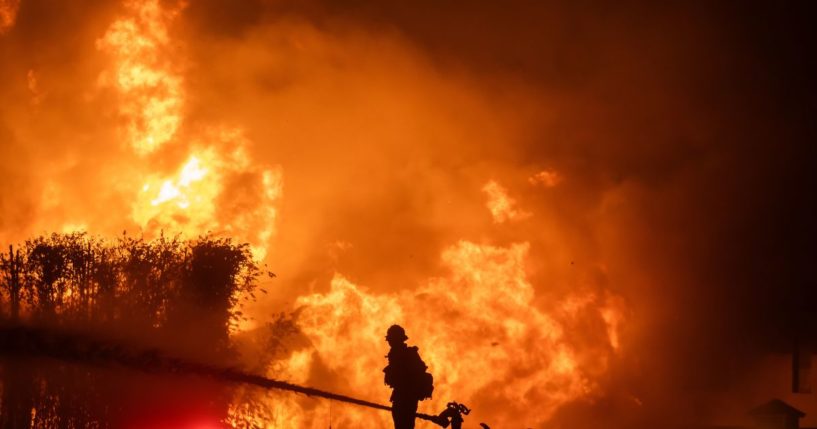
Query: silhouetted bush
x=167 y=293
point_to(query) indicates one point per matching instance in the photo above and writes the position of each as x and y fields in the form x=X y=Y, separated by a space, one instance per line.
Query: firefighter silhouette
x=406 y=375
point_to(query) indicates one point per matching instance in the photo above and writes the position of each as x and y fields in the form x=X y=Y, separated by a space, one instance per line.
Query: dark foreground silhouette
x=18 y=342
x=411 y=383
x=75 y=310
x=406 y=375
x=180 y=296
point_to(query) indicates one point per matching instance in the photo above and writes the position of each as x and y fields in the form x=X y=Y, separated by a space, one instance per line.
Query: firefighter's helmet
x=396 y=332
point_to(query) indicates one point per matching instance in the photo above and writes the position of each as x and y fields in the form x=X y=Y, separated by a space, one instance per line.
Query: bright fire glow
x=152 y=95
x=167 y=200
x=501 y=205
x=478 y=329
x=194 y=199
x=487 y=337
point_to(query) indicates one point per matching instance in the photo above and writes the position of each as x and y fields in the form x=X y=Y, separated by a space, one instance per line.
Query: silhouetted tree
x=11 y=266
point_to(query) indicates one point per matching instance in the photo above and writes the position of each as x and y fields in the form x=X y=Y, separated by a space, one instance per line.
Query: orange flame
x=152 y=91
x=478 y=330
x=487 y=337
x=193 y=200
x=501 y=205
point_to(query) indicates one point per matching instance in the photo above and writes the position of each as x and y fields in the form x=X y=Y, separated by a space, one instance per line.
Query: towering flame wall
x=175 y=162
x=216 y=187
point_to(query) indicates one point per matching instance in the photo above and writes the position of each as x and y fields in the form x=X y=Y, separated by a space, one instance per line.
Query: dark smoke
x=684 y=131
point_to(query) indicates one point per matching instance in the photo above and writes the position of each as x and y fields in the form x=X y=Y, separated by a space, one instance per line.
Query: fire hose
x=17 y=340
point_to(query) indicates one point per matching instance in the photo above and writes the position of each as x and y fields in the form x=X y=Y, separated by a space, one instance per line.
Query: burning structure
x=579 y=211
